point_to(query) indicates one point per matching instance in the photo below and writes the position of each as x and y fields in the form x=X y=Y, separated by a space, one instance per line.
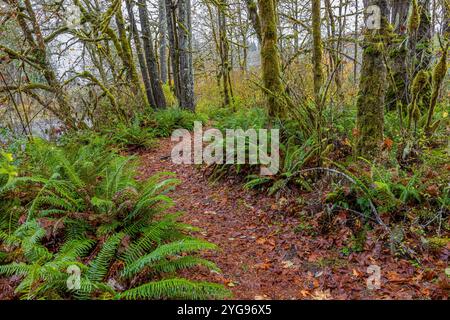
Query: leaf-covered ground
x=268 y=251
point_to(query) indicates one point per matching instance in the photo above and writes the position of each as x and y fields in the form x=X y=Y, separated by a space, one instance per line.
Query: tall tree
x=423 y=46
x=270 y=58
x=397 y=93
x=180 y=45
x=317 y=52
x=162 y=28
x=446 y=20
x=224 y=49
x=172 y=34
x=150 y=58
x=254 y=18
x=371 y=95
x=140 y=54
x=317 y=66
x=185 y=55
x=127 y=54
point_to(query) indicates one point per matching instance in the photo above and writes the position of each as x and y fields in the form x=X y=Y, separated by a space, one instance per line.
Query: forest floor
x=263 y=257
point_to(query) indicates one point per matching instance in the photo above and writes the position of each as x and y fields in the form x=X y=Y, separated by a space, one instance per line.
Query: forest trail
x=262 y=257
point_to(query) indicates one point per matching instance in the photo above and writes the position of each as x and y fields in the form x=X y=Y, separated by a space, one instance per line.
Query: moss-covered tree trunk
x=172 y=36
x=423 y=47
x=317 y=53
x=254 y=18
x=224 y=53
x=420 y=46
x=372 y=87
x=398 y=89
x=270 y=58
x=128 y=58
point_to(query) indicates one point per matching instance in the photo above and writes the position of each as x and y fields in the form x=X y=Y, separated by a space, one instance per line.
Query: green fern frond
x=186 y=262
x=176 y=288
x=164 y=251
x=100 y=265
x=14 y=269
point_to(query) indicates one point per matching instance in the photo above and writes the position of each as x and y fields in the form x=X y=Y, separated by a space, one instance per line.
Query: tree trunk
x=254 y=18
x=139 y=53
x=420 y=54
x=371 y=96
x=317 y=53
x=173 y=45
x=398 y=89
x=423 y=46
x=185 y=56
x=224 y=52
x=446 y=20
x=162 y=40
x=270 y=59
x=152 y=65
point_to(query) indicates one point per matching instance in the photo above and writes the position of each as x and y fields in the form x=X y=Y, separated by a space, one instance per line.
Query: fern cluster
x=79 y=207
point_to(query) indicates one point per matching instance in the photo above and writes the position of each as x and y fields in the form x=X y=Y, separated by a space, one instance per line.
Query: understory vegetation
x=64 y=210
x=362 y=114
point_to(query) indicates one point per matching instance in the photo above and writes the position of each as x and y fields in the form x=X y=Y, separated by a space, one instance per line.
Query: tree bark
x=397 y=91
x=185 y=56
x=317 y=52
x=162 y=40
x=152 y=65
x=140 y=54
x=224 y=53
x=254 y=18
x=371 y=96
x=173 y=45
x=270 y=59
x=423 y=53
x=446 y=20
x=128 y=57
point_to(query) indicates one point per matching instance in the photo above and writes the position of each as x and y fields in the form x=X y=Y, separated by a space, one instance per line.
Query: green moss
x=437 y=243
x=439 y=72
x=270 y=59
x=414 y=17
x=371 y=96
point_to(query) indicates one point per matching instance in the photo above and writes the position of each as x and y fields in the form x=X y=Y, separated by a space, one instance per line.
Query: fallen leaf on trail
x=321 y=295
x=304 y=293
x=287 y=264
x=263 y=265
x=261 y=240
x=394 y=277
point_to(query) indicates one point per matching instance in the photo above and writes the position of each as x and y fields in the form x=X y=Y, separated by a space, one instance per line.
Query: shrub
x=170 y=119
x=90 y=213
x=133 y=136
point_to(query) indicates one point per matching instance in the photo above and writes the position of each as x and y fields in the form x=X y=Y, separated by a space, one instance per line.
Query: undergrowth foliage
x=69 y=209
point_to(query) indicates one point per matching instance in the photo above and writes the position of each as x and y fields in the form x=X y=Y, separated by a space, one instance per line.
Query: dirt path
x=261 y=256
